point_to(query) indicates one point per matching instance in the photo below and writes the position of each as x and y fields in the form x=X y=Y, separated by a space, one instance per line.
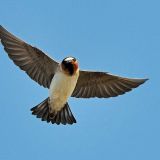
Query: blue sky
x=121 y=37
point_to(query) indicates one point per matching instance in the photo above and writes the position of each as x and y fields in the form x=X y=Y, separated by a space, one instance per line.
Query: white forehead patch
x=69 y=58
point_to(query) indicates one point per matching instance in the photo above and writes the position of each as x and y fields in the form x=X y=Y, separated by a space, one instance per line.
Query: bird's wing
x=103 y=85
x=33 y=61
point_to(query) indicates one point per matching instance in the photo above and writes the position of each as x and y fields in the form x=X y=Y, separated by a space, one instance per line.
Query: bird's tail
x=64 y=116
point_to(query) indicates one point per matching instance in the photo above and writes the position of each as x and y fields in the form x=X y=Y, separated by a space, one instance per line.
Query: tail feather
x=64 y=116
x=68 y=114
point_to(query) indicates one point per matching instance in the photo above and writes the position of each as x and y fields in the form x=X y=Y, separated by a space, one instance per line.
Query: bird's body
x=63 y=79
x=61 y=88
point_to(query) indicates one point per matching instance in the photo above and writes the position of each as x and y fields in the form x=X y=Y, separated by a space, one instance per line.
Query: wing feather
x=33 y=61
x=103 y=85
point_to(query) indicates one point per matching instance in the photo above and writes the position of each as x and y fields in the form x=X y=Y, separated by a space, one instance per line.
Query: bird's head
x=69 y=65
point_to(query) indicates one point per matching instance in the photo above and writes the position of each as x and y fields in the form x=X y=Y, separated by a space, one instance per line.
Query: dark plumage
x=68 y=66
x=63 y=116
x=103 y=85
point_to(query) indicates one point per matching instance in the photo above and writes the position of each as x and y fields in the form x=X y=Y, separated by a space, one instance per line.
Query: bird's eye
x=74 y=59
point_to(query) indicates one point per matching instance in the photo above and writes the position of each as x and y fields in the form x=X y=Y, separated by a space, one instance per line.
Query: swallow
x=63 y=79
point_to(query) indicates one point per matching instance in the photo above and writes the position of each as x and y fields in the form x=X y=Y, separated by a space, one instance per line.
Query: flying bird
x=63 y=79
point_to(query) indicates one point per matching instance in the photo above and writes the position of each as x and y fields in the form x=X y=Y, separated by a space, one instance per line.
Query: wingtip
x=145 y=79
x=1 y=27
x=141 y=81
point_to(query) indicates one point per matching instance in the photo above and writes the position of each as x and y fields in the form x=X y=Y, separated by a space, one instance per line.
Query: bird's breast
x=61 y=88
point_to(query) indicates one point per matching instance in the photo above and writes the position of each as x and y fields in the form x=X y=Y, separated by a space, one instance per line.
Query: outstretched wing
x=103 y=85
x=33 y=61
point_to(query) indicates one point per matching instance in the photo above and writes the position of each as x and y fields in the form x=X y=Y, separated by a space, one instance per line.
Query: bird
x=63 y=79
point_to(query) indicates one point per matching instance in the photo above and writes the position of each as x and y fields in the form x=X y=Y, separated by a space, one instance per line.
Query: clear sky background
x=118 y=36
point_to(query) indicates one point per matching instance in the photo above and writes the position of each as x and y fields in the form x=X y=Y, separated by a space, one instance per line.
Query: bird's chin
x=75 y=66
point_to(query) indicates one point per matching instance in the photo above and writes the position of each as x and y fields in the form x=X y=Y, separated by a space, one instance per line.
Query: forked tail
x=64 y=116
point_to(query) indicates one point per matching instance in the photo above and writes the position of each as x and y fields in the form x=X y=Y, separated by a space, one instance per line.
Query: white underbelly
x=61 y=89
